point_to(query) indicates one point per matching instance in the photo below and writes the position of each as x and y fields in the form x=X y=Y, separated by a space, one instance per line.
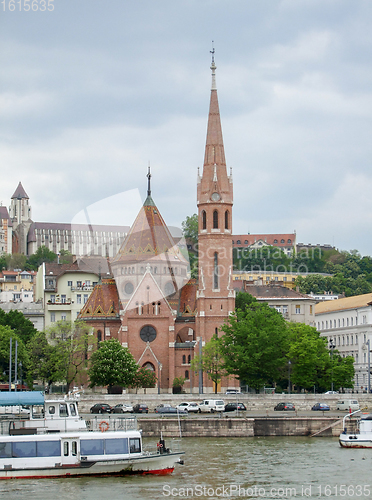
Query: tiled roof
x=268 y=239
x=188 y=304
x=103 y=302
x=275 y=292
x=343 y=304
x=19 y=193
x=4 y=214
x=149 y=237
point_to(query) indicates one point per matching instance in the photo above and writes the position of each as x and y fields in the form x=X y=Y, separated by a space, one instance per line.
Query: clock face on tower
x=148 y=333
x=215 y=197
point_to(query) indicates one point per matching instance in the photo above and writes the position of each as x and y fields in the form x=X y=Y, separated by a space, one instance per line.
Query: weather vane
x=212 y=51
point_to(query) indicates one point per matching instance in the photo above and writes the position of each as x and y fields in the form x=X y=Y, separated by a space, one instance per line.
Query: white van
x=212 y=405
x=347 y=404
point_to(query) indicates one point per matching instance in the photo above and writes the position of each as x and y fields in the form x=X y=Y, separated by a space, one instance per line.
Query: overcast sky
x=93 y=90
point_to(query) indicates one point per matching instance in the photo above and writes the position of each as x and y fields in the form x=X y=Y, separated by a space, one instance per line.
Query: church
x=149 y=303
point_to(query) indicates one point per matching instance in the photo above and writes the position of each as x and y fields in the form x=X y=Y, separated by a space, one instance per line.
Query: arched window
x=99 y=336
x=189 y=359
x=184 y=359
x=204 y=219
x=215 y=219
x=187 y=374
x=227 y=219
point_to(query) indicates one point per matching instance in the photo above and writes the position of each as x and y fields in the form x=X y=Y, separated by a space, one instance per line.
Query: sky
x=92 y=91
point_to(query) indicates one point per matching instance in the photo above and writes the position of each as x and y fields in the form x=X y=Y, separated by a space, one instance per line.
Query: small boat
x=57 y=442
x=357 y=433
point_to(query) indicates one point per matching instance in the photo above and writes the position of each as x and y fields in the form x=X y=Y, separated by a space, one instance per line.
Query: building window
x=78 y=284
x=63 y=317
x=52 y=317
x=52 y=299
x=227 y=219
x=215 y=219
x=69 y=283
x=238 y=242
x=298 y=310
x=184 y=359
x=99 y=336
x=78 y=299
x=85 y=298
x=187 y=374
x=311 y=309
x=204 y=219
x=63 y=299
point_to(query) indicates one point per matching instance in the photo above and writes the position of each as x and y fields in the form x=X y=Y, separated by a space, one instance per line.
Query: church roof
x=103 y=302
x=19 y=193
x=148 y=238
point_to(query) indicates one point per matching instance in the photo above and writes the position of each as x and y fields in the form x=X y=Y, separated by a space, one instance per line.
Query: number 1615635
x=27 y=5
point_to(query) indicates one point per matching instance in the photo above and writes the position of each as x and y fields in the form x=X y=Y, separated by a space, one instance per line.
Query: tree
x=308 y=354
x=72 y=342
x=43 y=254
x=44 y=363
x=177 y=384
x=144 y=378
x=342 y=370
x=15 y=261
x=22 y=326
x=190 y=228
x=112 y=364
x=6 y=333
x=211 y=361
x=66 y=257
x=255 y=343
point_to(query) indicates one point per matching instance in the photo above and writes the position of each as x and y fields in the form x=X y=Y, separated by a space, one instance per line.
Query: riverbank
x=240 y=427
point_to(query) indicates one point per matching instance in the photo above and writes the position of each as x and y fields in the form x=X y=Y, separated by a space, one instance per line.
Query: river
x=267 y=467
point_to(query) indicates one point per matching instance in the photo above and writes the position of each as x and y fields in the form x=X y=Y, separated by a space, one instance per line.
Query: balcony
x=88 y=288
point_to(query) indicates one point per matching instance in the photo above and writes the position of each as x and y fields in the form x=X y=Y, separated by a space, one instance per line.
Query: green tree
x=15 y=261
x=112 y=364
x=73 y=342
x=44 y=362
x=6 y=333
x=211 y=361
x=254 y=345
x=43 y=254
x=144 y=378
x=190 y=228
x=308 y=355
x=66 y=257
x=342 y=371
x=22 y=326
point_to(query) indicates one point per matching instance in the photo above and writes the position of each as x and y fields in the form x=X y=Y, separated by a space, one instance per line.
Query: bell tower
x=216 y=297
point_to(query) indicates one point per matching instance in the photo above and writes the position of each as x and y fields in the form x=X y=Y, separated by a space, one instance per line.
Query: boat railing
x=349 y=425
x=109 y=423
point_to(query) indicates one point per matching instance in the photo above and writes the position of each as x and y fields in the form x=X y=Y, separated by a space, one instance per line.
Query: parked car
x=347 y=404
x=170 y=410
x=233 y=391
x=331 y=392
x=100 y=408
x=122 y=408
x=235 y=406
x=320 y=407
x=190 y=407
x=162 y=405
x=212 y=405
x=140 y=408
x=285 y=407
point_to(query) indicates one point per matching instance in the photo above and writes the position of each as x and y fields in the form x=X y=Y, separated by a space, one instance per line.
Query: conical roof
x=19 y=193
x=103 y=302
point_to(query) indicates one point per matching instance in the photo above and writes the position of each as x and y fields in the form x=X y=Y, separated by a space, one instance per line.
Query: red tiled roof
x=103 y=301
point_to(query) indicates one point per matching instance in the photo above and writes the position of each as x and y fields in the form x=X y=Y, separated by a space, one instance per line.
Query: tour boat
x=57 y=442
x=356 y=433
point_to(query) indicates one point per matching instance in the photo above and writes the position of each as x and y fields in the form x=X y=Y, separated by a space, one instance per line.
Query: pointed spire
x=213 y=68
x=19 y=193
x=149 y=202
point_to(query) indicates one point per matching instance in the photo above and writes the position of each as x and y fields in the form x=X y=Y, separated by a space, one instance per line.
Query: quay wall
x=238 y=427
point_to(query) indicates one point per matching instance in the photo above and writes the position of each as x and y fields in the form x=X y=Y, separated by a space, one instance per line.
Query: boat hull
x=159 y=464
x=354 y=441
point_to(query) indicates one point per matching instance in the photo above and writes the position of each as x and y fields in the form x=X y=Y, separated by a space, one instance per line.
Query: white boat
x=356 y=433
x=57 y=442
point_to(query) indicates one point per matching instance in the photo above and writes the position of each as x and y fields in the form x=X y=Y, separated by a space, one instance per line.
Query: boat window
x=74 y=448
x=52 y=410
x=91 y=447
x=135 y=445
x=24 y=449
x=72 y=409
x=116 y=446
x=5 y=450
x=65 y=448
x=48 y=448
x=63 y=410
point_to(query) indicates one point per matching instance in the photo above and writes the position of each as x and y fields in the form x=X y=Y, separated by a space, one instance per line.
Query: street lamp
x=20 y=372
x=160 y=366
x=191 y=343
x=289 y=377
x=331 y=346
x=369 y=366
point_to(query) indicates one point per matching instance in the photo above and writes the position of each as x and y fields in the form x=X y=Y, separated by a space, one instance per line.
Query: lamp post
x=191 y=343
x=289 y=377
x=160 y=366
x=20 y=373
x=331 y=346
x=369 y=366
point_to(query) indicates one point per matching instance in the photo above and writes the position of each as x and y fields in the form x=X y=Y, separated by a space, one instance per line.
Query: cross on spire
x=149 y=181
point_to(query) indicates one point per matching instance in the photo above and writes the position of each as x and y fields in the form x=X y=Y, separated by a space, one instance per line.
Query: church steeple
x=214 y=180
x=149 y=202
